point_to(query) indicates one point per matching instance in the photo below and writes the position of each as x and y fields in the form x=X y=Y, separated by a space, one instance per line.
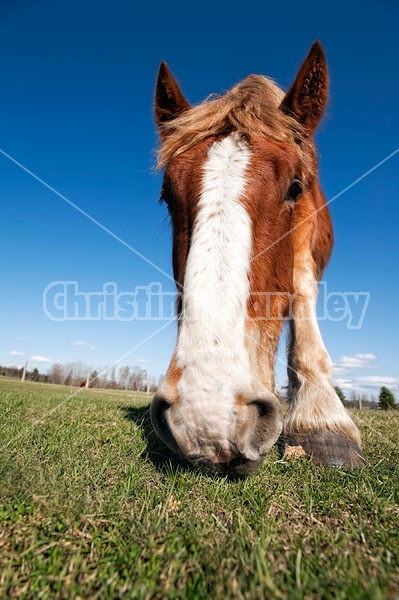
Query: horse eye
x=165 y=197
x=294 y=191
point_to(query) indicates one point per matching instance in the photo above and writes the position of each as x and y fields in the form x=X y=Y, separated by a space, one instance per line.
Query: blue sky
x=77 y=81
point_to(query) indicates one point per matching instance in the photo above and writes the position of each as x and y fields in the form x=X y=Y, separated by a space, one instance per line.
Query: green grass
x=93 y=506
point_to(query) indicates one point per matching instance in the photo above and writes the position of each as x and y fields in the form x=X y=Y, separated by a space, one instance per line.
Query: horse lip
x=238 y=466
x=237 y=455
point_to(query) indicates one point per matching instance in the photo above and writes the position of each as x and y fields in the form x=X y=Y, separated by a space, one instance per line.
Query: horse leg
x=317 y=424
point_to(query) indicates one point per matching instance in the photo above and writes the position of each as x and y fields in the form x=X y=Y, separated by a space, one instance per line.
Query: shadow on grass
x=162 y=458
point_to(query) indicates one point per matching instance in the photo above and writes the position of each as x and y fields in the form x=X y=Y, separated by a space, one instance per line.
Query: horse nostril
x=158 y=410
x=265 y=408
x=260 y=426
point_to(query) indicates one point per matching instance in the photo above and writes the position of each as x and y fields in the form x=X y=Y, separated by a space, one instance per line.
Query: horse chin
x=238 y=466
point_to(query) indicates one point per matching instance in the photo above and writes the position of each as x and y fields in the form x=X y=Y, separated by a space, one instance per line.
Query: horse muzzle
x=254 y=429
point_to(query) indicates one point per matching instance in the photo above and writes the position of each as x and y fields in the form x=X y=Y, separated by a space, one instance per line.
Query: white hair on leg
x=314 y=404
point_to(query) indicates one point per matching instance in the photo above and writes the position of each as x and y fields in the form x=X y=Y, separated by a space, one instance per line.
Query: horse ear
x=169 y=101
x=307 y=98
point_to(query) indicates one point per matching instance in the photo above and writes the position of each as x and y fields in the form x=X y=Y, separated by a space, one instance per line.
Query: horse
x=252 y=235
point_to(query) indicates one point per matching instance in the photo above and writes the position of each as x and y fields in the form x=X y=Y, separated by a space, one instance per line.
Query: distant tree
x=111 y=379
x=74 y=373
x=136 y=379
x=358 y=399
x=340 y=395
x=56 y=374
x=94 y=379
x=151 y=383
x=35 y=374
x=102 y=381
x=386 y=400
x=124 y=377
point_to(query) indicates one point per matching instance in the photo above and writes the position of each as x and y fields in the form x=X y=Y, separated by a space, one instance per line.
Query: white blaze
x=211 y=346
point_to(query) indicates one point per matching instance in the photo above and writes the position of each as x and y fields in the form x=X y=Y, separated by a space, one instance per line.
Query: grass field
x=93 y=506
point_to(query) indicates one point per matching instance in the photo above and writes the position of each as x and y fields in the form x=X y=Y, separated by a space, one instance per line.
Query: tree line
x=385 y=401
x=138 y=379
x=76 y=374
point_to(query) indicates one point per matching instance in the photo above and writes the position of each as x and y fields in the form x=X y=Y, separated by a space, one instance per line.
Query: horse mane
x=251 y=106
